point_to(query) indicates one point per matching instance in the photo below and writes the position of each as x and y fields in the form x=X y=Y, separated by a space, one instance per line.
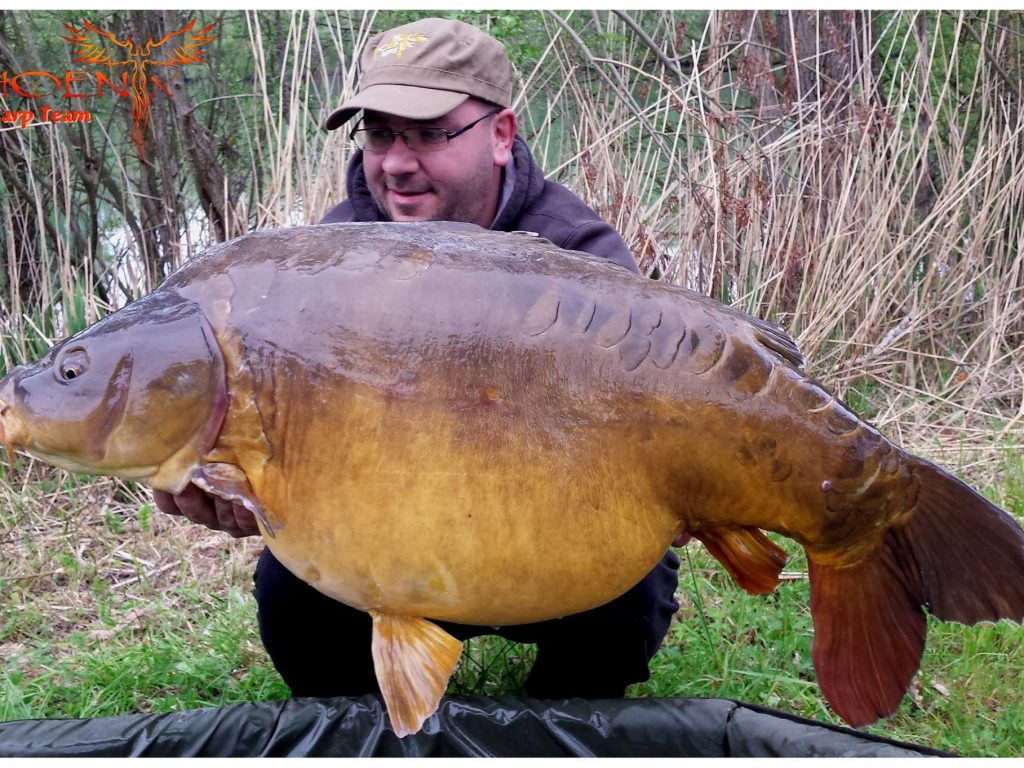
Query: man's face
x=460 y=182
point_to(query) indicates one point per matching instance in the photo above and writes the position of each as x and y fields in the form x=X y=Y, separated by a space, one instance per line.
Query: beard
x=451 y=201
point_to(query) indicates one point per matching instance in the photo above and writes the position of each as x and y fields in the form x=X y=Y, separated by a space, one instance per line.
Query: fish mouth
x=13 y=435
x=10 y=432
x=69 y=464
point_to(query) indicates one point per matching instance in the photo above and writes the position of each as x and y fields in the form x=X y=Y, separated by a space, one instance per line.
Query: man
x=438 y=141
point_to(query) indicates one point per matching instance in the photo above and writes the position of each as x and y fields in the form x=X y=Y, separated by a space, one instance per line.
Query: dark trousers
x=322 y=647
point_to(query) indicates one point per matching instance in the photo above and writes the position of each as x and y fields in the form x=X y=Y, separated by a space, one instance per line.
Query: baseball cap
x=425 y=69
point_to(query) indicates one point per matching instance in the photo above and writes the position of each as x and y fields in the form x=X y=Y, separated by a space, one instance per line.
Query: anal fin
x=750 y=557
x=413 y=659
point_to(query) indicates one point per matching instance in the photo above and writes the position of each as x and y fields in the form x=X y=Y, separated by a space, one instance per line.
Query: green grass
x=107 y=608
x=492 y=666
x=168 y=661
x=967 y=697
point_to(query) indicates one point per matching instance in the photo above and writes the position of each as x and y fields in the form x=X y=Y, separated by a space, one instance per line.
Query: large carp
x=432 y=421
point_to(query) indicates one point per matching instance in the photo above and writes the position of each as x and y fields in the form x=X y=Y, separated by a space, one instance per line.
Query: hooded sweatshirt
x=529 y=203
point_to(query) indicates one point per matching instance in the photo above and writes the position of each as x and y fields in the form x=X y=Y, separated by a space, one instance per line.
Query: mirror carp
x=434 y=421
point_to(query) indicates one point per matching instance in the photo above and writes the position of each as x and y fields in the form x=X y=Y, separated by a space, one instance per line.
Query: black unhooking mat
x=463 y=726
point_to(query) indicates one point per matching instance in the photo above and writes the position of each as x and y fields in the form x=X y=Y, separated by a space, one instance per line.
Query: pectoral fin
x=413 y=659
x=229 y=482
x=753 y=560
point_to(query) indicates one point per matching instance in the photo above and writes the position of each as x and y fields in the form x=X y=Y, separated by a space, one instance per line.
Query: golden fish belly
x=454 y=520
x=476 y=441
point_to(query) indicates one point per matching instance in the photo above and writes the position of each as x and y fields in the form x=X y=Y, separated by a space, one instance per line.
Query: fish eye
x=72 y=364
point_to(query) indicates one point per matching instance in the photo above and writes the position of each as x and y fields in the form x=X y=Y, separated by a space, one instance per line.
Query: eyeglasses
x=416 y=139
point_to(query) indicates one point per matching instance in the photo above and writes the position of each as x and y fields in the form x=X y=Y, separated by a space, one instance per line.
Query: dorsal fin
x=777 y=340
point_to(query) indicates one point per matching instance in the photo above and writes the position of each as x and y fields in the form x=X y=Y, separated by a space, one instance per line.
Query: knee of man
x=268 y=574
x=280 y=594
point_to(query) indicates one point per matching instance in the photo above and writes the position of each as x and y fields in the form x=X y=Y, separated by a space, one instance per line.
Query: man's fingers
x=225 y=515
x=235 y=519
x=245 y=521
x=199 y=507
x=165 y=503
x=192 y=503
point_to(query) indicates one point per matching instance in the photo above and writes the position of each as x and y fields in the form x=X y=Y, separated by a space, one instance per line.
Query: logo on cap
x=398 y=44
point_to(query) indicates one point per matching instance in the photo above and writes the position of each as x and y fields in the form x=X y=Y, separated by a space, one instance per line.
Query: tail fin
x=967 y=552
x=869 y=633
x=958 y=554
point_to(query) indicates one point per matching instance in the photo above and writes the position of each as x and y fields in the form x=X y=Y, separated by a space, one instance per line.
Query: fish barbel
x=434 y=421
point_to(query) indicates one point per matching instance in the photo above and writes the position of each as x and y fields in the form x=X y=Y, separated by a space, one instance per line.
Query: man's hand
x=196 y=505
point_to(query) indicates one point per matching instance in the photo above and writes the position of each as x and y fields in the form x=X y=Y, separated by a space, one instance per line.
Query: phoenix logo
x=96 y=46
x=398 y=44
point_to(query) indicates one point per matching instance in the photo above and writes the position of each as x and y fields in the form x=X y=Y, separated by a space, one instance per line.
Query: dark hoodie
x=533 y=204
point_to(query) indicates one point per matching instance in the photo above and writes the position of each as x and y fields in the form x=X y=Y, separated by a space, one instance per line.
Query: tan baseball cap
x=425 y=69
